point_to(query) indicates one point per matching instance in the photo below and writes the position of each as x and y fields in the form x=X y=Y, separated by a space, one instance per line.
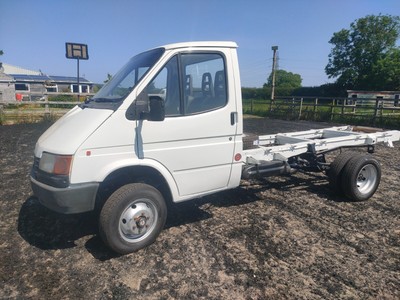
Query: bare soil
x=278 y=238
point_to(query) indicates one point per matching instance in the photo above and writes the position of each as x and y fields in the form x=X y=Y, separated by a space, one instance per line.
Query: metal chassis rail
x=286 y=145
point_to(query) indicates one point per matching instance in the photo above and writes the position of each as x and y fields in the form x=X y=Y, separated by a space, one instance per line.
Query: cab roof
x=202 y=44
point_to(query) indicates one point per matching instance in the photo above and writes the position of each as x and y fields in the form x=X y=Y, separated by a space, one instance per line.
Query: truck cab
x=170 y=119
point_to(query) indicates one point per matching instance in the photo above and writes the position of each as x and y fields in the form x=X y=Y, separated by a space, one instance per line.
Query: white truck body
x=186 y=150
x=172 y=119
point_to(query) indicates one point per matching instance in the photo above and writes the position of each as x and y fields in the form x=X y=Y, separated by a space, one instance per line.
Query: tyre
x=132 y=217
x=336 y=169
x=361 y=177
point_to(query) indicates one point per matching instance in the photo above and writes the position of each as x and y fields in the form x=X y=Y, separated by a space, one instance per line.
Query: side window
x=166 y=86
x=203 y=87
x=204 y=83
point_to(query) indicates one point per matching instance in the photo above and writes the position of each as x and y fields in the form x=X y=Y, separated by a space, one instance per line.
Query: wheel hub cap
x=137 y=220
x=366 y=178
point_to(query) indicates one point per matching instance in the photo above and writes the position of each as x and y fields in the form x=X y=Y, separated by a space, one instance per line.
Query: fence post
x=375 y=111
x=343 y=104
x=332 y=108
x=293 y=107
x=46 y=108
x=301 y=107
x=315 y=108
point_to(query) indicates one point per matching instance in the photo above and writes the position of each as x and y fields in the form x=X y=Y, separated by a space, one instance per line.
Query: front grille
x=35 y=167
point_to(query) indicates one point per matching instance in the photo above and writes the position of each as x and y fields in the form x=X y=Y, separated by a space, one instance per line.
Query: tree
x=386 y=72
x=363 y=51
x=1 y=52
x=284 y=79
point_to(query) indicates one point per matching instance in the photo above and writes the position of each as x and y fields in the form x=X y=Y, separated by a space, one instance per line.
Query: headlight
x=55 y=164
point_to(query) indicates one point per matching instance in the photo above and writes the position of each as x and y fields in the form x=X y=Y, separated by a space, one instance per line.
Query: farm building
x=18 y=84
x=371 y=96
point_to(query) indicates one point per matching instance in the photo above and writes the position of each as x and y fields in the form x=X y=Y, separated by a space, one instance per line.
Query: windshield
x=119 y=87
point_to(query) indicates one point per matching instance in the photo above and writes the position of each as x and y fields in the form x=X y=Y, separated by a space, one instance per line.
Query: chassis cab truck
x=168 y=127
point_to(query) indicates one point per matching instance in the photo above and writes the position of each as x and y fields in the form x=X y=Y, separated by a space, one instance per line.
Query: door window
x=204 y=82
x=200 y=87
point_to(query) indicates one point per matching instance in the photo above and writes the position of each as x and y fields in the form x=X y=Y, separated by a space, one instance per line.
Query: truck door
x=196 y=141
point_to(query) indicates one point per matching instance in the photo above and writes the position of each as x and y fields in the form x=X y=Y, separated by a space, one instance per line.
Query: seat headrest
x=207 y=85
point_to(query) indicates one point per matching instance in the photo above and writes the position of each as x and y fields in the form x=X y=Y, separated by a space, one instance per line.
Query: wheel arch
x=159 y=178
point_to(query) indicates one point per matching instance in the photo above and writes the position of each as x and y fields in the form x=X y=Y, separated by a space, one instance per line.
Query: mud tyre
x=361 y=177
x=132 y=218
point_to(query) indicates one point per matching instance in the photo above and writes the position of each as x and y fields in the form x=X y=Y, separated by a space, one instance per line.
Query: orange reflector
x=62 y=164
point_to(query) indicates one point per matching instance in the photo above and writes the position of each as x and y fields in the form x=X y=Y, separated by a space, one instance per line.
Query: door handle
x=234 y=118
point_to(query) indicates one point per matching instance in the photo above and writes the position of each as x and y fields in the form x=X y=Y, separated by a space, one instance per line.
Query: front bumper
x=76 y=198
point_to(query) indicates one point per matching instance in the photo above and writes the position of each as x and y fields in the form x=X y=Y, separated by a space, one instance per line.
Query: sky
x=33 y=33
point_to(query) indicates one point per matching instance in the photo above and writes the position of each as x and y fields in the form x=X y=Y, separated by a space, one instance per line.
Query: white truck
x=168 y=128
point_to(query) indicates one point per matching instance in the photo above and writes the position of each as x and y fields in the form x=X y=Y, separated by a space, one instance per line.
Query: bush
x=63 y=98
x=325 y=90
x=255 y=93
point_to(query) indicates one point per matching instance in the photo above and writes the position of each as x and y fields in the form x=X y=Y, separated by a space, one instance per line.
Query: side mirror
x=156 y=109
x=146 y=108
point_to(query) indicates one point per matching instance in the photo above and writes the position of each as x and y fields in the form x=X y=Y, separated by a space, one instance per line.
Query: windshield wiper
x=100 y=100
x=112 y=103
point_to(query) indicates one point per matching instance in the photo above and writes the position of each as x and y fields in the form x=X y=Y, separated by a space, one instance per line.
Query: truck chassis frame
x=284 y=153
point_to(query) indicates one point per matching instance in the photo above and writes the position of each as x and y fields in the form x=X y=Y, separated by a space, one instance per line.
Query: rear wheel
x=361 y=177
x=132 y=217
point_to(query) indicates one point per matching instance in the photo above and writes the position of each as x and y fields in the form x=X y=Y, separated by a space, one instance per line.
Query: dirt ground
x=278 y=238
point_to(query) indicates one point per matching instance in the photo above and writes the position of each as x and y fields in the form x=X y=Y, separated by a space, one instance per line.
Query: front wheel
x=132 y=217
x=361 y=177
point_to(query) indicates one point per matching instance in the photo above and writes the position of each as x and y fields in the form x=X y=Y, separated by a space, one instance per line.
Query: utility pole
x=274 y=48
